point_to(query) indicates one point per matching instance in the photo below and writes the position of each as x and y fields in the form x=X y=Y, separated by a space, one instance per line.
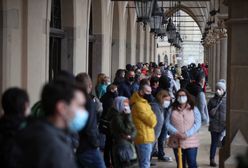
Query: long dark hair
x=190 y=100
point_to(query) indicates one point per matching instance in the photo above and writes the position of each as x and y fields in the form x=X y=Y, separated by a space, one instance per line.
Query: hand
x=181 y=135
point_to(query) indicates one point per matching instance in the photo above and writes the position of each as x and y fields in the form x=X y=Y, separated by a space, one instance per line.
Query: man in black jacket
x=45 y=142
x=88 y=152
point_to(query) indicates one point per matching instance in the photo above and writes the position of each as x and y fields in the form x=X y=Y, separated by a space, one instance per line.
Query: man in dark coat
x=45 y=143
x=129 y=86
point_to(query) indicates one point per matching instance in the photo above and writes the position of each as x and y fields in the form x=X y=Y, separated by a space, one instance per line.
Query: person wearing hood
x=145 y=121
x=123 y=132
x=217 y=113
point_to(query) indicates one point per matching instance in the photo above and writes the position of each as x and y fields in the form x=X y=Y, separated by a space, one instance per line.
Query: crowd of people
x=116 y=124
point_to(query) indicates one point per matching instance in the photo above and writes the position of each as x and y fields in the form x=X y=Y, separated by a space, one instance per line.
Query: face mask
x=131 y=79
x=219 y=92
x=182 y=99
x=148 y=97
x=78 y=122
x=127 y=110
x=115 y=94
x=166 y=104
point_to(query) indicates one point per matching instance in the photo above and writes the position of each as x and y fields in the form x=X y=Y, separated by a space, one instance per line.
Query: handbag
x=126 y=152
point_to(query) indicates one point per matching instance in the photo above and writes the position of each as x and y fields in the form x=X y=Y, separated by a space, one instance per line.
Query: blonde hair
x=161 y=95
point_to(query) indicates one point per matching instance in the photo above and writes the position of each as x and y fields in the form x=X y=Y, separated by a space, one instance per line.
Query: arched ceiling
x=198 y=10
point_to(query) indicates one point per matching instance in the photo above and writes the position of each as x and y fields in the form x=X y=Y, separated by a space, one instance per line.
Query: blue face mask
x=79 y=121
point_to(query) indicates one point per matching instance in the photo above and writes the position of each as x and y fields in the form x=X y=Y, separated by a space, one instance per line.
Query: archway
x=115 y=41
x=191 y=50
x=128 y=39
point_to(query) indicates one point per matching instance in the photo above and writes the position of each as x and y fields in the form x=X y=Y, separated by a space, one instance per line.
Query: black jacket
x=89 y=136
x=107 y=101
x=10 y=126
x=43 y=145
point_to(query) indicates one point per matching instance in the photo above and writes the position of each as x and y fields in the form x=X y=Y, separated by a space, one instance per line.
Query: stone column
x=218 y=61
x=237 y=78
x=213 y=66
x=223 y=58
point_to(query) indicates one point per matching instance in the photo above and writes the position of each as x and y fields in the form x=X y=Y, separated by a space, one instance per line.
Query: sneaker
x=212 y=163
x=165 y=159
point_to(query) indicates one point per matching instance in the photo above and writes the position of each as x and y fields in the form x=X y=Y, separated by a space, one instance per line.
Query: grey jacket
x=201 y=104
x=217 y=113
x=159 y=112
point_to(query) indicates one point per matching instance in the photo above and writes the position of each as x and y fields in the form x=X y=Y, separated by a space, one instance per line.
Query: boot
x=212 y=163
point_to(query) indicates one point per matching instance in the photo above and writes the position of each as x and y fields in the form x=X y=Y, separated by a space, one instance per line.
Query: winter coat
x=101 y=90
x=126 y=89
x=159 y=112
x=44 y=145
x=196 y=90
x=107 y=102
x=10 y=126
x=89 y=136
x=217 y=113
x=122 y=126
x=186 y=121
x=144 y=119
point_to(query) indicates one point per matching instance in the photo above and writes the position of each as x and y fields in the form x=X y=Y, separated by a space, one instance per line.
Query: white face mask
x=127 y=110
x=182 y=99
x=166 y=104
x=219 y=92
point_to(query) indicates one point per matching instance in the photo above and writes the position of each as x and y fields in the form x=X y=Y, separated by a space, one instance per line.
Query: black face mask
x=131 y=79
x=115 y=94
x=148 y=97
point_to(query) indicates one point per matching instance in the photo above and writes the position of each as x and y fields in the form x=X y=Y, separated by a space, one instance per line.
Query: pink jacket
x=183 y=120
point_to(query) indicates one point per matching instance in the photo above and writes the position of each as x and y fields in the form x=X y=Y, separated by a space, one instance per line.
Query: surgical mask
x=79 y=121
x=166 y=104
x=148 y=97
x=182 y=99
x=127 y=110
x=220 y=92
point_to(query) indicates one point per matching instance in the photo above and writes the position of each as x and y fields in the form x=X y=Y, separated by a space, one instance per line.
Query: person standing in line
x=145 y=121
x=46 y=142
x=123 y=131
x=183 y=123
x=88 y=152
x=159 y=105
x=15 y=104
x=217 y=113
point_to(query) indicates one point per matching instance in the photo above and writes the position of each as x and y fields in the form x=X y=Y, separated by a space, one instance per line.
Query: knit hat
x=221 y=84
x=119 y=103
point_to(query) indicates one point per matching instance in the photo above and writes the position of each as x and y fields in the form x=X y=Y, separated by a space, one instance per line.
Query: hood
x=136 y=97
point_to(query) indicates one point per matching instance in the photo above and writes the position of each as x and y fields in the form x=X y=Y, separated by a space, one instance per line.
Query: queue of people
x=119 y=124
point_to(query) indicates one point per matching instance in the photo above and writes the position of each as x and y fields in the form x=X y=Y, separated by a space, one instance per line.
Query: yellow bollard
x=179 y=155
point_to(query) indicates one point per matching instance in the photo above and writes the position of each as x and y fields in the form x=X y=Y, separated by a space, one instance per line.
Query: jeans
x=214 y=143
x=144 y=154
x=161 y=140
x=91 y=158
x=189 y=156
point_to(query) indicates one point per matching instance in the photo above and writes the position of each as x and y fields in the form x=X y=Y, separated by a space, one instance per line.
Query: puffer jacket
x=144 y=119
x=217 y=120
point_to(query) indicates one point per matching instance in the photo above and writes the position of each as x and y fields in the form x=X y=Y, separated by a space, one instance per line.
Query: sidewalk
x=203 y=152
